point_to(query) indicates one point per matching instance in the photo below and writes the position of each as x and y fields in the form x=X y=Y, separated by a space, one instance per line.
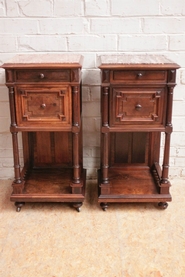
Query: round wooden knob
x=139 y=75
x=41 y=75
x=138 y=107
x=43 y=106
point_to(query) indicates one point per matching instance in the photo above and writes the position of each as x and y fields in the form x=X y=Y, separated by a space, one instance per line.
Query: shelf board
x=133 y=185
x=49 y=184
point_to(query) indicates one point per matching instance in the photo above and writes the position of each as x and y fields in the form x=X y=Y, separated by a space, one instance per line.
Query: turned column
x=165 y=184
x=105 y=185
x=76 y=182
x=17 y=184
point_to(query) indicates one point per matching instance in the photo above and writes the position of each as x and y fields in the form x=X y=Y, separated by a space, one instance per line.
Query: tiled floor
x=128 y=240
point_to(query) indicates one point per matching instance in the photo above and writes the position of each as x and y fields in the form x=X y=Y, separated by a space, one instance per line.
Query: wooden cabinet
x=136 y=108
x=45 y=107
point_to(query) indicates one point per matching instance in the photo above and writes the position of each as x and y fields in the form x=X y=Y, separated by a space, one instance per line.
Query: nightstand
x=45 y=107
x=136 y=108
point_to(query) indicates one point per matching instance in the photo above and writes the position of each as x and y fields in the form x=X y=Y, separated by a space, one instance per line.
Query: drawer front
x=42 y=75
x=43 y=105
x=137 y=106
x=139 y=76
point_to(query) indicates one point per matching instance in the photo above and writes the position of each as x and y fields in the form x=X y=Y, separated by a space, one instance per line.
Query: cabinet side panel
x=63 y=148
x=122 y=147
x=139 y=143
x=130 y=148
x=52 y=149
x=154 y=148
x=42 y=148
x=25 y=142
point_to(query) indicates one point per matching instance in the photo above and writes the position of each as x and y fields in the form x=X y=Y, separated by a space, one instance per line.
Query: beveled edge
x=131 y=61
x=50 y=60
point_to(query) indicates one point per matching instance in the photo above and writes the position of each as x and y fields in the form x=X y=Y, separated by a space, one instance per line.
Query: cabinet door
x=137 y=106
x=43 y=105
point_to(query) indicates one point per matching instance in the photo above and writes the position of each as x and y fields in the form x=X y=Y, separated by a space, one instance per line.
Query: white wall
x=92 y=27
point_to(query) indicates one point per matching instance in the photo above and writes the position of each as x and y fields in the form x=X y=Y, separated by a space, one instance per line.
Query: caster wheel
x=19 y=206
x=78 y=209
x=104 y=206
x=77 y=206
x=162 y=205
x=18 y=209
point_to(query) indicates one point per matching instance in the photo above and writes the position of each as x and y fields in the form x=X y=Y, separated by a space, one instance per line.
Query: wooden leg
x=162 y=205
x=76 y=182
x=19 y=206
x=77 y=206
x=104 y=206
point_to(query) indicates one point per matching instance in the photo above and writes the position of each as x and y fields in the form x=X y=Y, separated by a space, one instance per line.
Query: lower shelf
x=49 y=185
x=131 y=185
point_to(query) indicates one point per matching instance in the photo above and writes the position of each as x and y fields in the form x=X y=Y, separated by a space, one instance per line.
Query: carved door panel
x=137 y=106
x=46 y=105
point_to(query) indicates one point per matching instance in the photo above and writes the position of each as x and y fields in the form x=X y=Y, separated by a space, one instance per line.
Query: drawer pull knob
x=43 y=106
x=41 y=75
x=139 y=75
x=138 y=107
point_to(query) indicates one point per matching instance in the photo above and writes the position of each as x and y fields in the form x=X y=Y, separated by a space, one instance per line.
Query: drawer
x=138 y=76
x=37 y=106
x=137 y=106
x=42 y=75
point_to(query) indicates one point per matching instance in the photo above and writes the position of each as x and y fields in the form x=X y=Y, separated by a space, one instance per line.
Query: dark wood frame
x=137 y=181
x=52 y=144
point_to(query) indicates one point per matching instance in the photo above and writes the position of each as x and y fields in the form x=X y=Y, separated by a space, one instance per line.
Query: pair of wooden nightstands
x=136 y=107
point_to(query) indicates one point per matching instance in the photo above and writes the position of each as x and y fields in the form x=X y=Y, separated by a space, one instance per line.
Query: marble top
x=132 y=59
x=53 y=59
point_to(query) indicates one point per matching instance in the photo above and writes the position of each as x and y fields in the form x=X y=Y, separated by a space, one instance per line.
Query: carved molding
x=137 y=106
x=46 y=105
